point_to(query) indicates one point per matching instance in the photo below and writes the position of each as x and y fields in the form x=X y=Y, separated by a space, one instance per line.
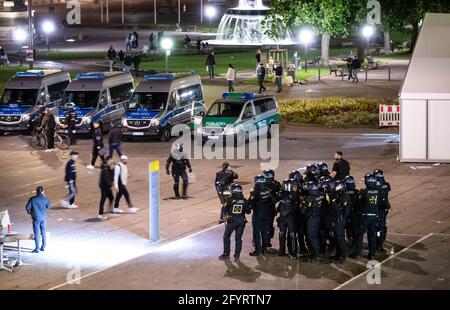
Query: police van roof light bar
x=159 y=77
x=246 y=96
x=90 y=76
x=31 y=73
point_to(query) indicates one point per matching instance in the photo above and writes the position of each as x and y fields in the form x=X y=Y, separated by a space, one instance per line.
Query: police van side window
x=270 y=103
x=121 y=93
x=260 y=106
x=189 y=94
x=248 y=111
x=56 y=91
x=103 y=99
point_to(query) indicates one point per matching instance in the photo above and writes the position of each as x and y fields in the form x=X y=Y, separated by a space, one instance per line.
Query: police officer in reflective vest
x=340 y=210
x=179 y=162
x=384 y=188
x=311 y=207
x=287 y=207
x=370 y=201
x=224 y=178
x=262 y=202
x=233 y=214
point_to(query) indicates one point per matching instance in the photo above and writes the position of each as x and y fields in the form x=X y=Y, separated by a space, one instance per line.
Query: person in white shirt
x=120 y=183
x=231 y=77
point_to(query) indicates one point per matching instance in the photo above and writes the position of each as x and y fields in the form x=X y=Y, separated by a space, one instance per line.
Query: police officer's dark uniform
x=354 y=219
x=224 y=178
x=288 y=207
x=262 y=202
x=302 y=192
x=370 y=205
x=327 y=236
x=311 y=207
x=311 y=173
x=323 y=170
x=340 y=210
x=275 y=187
x=97 y=139
x=384 y=188
x=179 y=164
x=71 y=121
x=233 y=214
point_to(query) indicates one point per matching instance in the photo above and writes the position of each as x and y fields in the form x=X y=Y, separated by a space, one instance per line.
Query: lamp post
x=167 y=44
x=48 y=27
x=367 y=32
x=210 y=11
x=30 y=28
x=306 y=37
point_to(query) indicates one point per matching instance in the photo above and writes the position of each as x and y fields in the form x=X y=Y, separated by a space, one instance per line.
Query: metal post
x=101 y=11
x=30 y=29
x=154 y=11
x=389 y=73
x=107 y=11
x=179 y=12
x=367 y=70
x=153 y=179
x=201 y=11
x=123 y=17
x=306 y=58
x=319 y=72
x=167 y=61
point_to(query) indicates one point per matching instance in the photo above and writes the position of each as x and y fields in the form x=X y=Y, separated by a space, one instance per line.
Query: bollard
x=319 y=73
x=342 y=74
x=389 y=73
x=367 y=70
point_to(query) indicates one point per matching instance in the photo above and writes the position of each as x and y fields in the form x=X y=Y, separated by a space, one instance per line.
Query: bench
x=334 y=68
x=315 y=62
x=371 y=63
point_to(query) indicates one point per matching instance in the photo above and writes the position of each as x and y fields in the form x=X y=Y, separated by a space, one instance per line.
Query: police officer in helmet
x=302 y=192
x=311 y=173
x=311 y=207
x=354 y=218
x=223 y=180
x=340 y=211
x=370 y=201
x=233 y=214
x=275 y=187
x=384 y=188
x=179 y=162
x=262 y=202
x=287 y=207
x=323 y=169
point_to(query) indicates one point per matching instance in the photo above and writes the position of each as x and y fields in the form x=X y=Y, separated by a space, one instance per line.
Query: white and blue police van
x=26 y=94
x=161 y=101
x=97 y=96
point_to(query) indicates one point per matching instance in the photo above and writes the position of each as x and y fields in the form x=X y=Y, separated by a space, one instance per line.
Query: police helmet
x=323 y=169
x=288 y=185
x=236 y=189
x=330 y=185
x=379 y=175
x=370 y=180
x=260 y=180
x=269 y=174
x=296 y=176
x=340 y=186
x=311 y=169
x=313 y=188
x=350 y=182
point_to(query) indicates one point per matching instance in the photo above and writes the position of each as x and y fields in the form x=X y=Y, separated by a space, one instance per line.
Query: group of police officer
x=316 y=213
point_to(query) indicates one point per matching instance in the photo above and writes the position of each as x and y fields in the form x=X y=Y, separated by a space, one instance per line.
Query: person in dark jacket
x=71 y=119
x=49 y=123
x=70 y=178
x=198 y=43
x=261 y=75
x=356 y=65
x=179 y=163
x=97 y=148
x=115 y=137
x=111 y=56
x=278 y=76
x=127 y=62
x=224 y=178
x=106 y=185
x=210 y=63
x=37 y=207
x=136 y=63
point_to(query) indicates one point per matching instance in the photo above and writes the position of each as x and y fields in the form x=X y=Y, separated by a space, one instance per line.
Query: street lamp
x=306 y=37
x=367 y=32
x=48 y=27
x=210 y=11
x=167 y=44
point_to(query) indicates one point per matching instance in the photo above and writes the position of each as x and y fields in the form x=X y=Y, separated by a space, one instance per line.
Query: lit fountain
x=243 y=26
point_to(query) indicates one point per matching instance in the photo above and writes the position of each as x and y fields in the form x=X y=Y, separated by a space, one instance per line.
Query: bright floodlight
x=167 y=43
x=48 y=26
x=306 y=36
x=368 y=31
x=210 y=11
x=20 y=35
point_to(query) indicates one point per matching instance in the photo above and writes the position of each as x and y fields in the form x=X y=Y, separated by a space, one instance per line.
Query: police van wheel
x=166 y=134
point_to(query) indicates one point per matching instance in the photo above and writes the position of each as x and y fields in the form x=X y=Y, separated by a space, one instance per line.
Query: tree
x=331 y=18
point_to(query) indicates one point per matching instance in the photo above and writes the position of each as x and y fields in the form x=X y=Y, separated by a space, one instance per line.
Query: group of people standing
x=127 y=60
x=318 y=213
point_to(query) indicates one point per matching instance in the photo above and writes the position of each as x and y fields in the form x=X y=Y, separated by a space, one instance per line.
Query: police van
x=160 y=102
x=97 y=96
x=239 y=115
x=26 y=93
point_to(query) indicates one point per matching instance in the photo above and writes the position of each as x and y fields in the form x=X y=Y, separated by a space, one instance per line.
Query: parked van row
x=150 y=109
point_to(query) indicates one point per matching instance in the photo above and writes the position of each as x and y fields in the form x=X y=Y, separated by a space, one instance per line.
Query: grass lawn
x=406 y=54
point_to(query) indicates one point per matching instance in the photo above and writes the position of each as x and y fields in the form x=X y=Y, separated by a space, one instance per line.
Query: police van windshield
x=82 y=99
x=150 y=101
x=19 y=96
x=225 y=109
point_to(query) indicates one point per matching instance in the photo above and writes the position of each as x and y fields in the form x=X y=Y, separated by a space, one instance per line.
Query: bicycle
x=39 y=140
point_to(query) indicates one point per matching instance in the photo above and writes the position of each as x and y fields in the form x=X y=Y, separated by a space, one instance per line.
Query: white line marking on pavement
x=149 y=251
x=387 y=259
x=401 y=234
